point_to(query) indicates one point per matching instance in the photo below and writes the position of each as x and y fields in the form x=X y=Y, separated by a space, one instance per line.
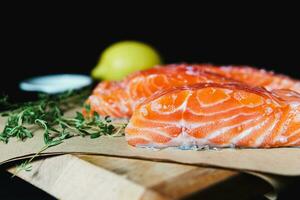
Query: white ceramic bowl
x=57 y=83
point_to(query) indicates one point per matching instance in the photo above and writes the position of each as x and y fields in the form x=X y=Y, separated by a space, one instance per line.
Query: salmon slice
x=119 y=99
x=109 y=98
x=216 y=115
x=255 y=77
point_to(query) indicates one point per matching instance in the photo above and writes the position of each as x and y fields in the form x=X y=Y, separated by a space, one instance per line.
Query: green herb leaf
x=48 y=114
x=95 y=135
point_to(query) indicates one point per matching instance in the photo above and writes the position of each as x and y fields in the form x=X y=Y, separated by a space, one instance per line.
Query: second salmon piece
x=119 y=99
x=217 y=115
x=255 y=77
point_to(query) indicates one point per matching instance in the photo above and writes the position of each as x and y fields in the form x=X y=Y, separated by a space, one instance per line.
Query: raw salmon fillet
x=216 y=115
x=255 y=77
x=119 y=99
x=109 y=98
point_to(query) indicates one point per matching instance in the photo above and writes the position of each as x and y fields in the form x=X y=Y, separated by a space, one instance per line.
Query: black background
x=66 y=40
x=48 y=42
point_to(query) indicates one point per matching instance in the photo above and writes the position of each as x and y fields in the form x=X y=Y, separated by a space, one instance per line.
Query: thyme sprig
x=48 y=114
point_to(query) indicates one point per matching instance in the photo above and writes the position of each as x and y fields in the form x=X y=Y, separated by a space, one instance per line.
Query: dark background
x=49 y=41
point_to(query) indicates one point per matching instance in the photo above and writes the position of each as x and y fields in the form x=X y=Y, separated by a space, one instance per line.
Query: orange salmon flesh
x=217 y=115
x=203 y=105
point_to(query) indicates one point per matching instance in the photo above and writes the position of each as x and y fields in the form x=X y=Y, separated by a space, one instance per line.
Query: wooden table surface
x=93 y=176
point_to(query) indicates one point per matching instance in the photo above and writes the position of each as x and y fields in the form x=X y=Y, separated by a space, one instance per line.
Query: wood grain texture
x=102 y=177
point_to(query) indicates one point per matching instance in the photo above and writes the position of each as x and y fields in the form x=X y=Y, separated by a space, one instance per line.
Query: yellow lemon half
x=123 y=58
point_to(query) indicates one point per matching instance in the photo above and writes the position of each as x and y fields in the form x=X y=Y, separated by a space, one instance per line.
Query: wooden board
x=91 y=177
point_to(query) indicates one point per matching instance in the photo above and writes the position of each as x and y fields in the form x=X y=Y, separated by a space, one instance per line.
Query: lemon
x=123 y=58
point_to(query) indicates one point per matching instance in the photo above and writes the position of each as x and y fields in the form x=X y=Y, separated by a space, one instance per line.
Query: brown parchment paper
x=280 y=161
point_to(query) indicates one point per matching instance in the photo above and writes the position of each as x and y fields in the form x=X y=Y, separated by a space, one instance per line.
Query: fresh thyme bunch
x=48 y=113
